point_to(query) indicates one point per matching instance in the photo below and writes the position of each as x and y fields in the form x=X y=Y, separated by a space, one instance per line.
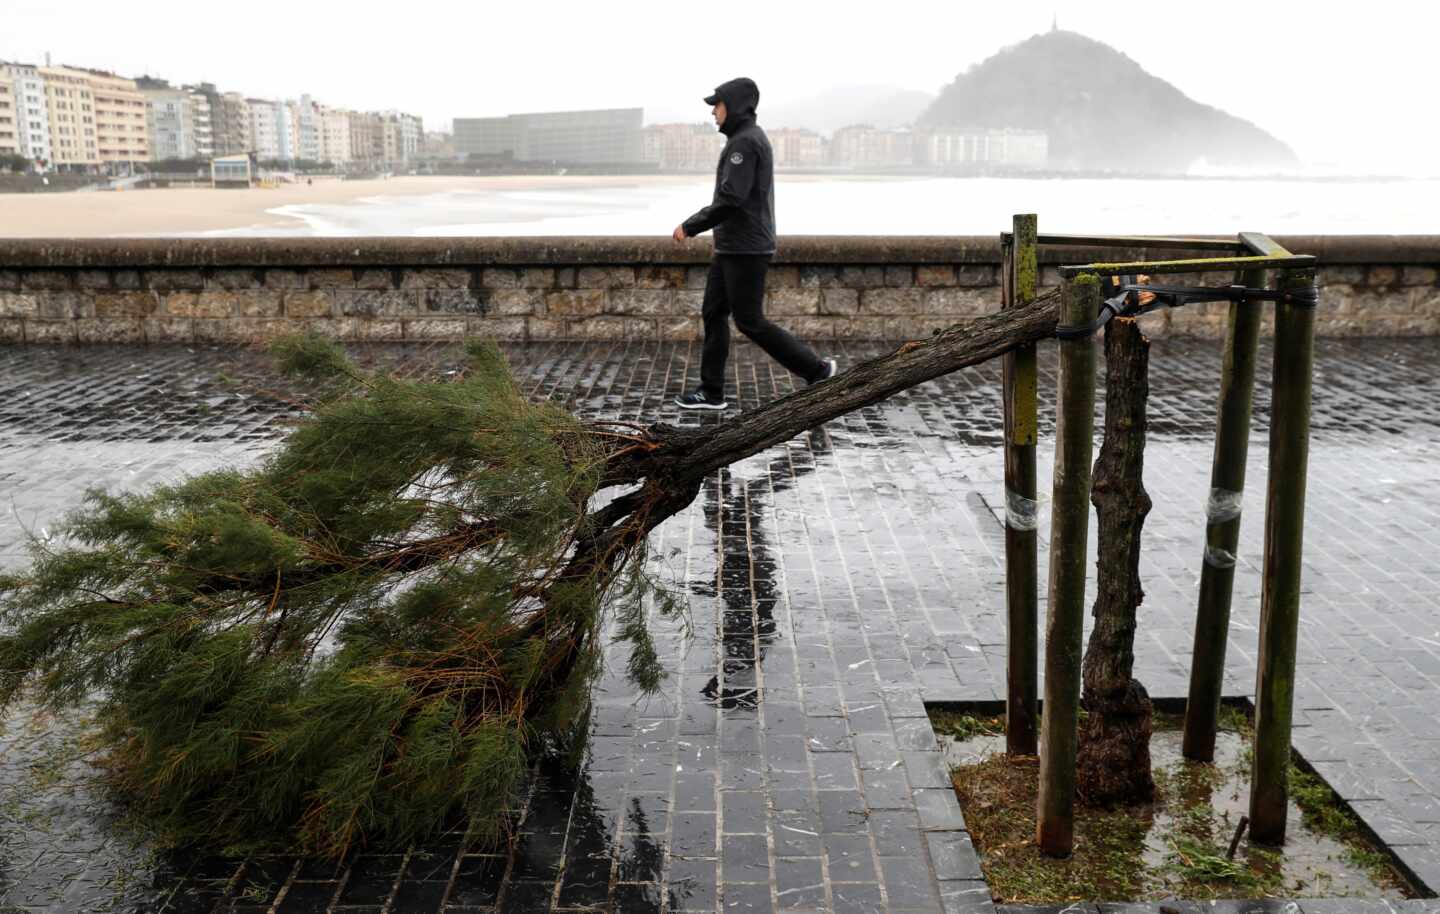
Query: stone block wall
x=243 y=290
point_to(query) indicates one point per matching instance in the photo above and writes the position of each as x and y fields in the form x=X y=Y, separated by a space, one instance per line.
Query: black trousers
x=736 y=286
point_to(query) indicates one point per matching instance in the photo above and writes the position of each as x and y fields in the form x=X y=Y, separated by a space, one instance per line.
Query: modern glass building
x=598 y=137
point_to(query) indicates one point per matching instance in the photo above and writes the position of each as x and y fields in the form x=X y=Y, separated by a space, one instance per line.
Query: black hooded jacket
x=743 y=210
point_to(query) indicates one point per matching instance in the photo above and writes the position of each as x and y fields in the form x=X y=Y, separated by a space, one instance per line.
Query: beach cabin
x=231 y=171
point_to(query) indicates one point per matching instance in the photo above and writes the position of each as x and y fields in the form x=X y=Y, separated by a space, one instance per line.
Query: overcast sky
x=1352 y=90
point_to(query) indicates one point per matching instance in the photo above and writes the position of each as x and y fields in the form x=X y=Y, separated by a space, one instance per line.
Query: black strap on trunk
x=1127 y=302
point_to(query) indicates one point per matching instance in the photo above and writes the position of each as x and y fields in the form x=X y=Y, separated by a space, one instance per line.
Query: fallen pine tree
x=368 y=632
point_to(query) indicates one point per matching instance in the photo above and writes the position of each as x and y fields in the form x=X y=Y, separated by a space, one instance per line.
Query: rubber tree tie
x=1127 y=303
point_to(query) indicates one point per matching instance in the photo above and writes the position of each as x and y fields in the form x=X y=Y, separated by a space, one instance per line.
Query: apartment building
x=310 y=130
x=681 y=147
x=179 y=121
x=229 y=122
x=1008 y=147
x=796 y=147
x=274 y=129
x=335 y=136
x=402 y=136
x=111 y=110
x=437 y=145
x=864 y=145
x=71 y=105
x=366 y=138
x=9 y=132
x=32 y=113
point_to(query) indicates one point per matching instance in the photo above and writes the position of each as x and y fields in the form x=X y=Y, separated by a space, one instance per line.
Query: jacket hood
x=741 y=97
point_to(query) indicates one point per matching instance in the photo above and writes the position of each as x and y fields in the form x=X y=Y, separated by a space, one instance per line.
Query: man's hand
x=679 y=233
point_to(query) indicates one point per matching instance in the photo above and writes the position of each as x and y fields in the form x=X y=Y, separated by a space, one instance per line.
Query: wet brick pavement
x=836 y=584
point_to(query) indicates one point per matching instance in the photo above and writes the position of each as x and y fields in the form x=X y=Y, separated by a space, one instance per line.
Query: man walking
x=743 y=217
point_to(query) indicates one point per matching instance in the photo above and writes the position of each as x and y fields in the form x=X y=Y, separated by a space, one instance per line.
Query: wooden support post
x=1021 y=565
x=1069 y=529
x=1284 y=529
x=1222 y=530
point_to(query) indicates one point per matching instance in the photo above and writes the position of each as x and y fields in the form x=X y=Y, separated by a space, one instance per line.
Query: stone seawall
x=240 y=290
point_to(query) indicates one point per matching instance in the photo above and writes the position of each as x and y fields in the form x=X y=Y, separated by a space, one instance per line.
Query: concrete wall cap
x=41 y=253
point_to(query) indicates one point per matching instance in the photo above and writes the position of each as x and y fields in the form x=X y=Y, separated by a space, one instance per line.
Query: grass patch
x=962 y=725
x=1175 y=847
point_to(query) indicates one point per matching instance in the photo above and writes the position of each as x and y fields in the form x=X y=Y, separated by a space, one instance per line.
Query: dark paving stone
x=908 y=882
x=745 y=858
x=851 y=858
x=745 y=899
x=835 y=771
x=841 y=811
x=953 y=855
x=586 y=880
x=967 y=897
x=526 y=897
x=431 y=864
x=308 y=898
x=857 y=898
x=371 y=880
x=743 y=811
x=693 y=834
x=692 y=885
x=418 y=897
x=888 y=789
x=897 y=833
x=1347 y=906
x=799 y=883
x=796 y=832
x=478 y=881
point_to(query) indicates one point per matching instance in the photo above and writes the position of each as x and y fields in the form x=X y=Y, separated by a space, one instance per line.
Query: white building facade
x=274 y=129
x=335 y=136
x=32 y=113
x=179 y=124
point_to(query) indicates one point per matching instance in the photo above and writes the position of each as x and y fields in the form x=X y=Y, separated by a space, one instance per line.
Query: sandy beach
x=556 y=205
x=195 y=210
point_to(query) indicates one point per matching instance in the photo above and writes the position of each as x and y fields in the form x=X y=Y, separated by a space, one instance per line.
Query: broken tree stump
x=1113 y=763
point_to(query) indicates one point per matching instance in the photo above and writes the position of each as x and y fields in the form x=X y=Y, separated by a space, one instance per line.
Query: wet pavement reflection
x=835 y=583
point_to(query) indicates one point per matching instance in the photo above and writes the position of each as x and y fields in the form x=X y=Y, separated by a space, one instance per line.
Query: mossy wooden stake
x=1222 y=531
x=1284 y=529
x=1069 y=528
x=1021 y=565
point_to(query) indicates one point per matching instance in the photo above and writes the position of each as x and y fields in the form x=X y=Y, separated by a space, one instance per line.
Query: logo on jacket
x=736 y=158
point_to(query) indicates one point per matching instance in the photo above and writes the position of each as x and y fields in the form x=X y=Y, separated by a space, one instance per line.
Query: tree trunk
x=1114 y=756
x=672 y=462
x=693 y=455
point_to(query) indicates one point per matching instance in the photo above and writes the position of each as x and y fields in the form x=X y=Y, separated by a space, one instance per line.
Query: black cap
x=712 y=99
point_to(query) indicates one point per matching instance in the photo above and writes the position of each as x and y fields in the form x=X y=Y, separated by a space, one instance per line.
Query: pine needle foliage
x=359 y=639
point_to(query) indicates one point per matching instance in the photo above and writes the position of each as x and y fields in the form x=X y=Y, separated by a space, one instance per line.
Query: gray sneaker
x=832 y=368
x=696 y=399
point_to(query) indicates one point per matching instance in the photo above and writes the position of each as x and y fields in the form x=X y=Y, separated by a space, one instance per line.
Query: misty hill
x=879 y=106
x=1101 y=110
